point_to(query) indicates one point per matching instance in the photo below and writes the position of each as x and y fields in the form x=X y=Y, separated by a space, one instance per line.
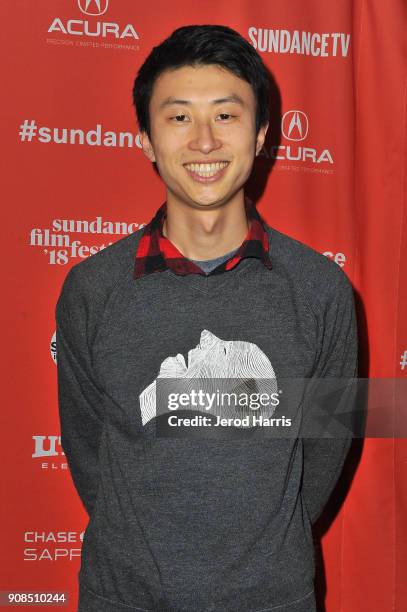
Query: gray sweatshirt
x=194 y=524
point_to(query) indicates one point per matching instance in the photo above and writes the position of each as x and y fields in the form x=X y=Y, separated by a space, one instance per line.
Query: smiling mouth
x=207 y=170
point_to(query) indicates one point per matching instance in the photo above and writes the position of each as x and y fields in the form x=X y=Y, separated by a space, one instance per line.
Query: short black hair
x=198 y=45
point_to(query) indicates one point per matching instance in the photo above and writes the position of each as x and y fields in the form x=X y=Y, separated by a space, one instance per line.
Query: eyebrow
x=232 y=98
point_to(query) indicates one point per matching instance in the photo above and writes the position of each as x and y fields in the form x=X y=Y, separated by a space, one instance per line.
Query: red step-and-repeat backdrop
x=76 y=180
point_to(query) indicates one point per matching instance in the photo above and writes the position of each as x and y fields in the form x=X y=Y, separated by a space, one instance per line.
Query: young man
x=206 y=290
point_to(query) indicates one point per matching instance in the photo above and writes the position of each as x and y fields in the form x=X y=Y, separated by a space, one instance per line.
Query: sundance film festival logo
x=94 y=27
x=294 y=129
x=53 y=347
x=59 y=247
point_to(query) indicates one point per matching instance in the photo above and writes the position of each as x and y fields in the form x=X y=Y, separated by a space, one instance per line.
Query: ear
x=147 y=146
x=261 y=137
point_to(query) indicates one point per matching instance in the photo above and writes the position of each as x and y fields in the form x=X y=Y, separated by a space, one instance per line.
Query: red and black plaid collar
x=156 y=253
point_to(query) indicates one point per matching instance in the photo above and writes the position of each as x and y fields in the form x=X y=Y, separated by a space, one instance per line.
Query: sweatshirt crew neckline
x=210 y=284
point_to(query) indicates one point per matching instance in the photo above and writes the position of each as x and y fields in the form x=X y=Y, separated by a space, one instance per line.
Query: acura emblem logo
x=93 y=7
x=294 y=125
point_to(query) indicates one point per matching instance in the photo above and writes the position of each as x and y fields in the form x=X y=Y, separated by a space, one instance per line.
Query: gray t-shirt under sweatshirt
x=207 y=265
x=191 y=524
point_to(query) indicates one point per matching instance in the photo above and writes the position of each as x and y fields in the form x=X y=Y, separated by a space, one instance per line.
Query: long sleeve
x=338 y=358
x=79 y=398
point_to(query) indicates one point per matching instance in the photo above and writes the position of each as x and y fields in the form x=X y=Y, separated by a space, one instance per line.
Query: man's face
x=203 y=133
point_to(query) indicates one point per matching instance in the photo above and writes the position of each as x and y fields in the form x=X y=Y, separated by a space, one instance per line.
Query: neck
x=200 y=233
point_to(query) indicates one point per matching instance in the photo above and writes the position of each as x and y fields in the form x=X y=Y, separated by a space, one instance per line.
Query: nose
x=204 y=139
x=207 y=338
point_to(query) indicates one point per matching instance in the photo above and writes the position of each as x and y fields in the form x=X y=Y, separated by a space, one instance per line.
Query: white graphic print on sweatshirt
x=215 y=358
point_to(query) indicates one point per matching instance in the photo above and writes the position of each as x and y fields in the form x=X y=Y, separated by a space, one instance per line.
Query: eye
x=179 y=118
x=225 y=116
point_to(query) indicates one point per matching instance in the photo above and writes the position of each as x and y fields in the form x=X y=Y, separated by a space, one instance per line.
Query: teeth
x=206 y=170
